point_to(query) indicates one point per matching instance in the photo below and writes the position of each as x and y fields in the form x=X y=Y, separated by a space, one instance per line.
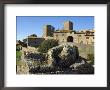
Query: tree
x=22 y=43
x=46 y=45
x=18 y=48
x=25 y=40
x=34 y=35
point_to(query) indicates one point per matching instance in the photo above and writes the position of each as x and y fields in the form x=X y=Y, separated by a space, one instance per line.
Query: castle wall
x=60 y=37
x=77 y=38
x=68 y=25
x=85 y=36
x=89 y=39
x=35 y=41
x=48 y=30
x=65 y=35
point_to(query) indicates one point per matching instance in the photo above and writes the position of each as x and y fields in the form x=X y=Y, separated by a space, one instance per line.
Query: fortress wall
x=77 y=38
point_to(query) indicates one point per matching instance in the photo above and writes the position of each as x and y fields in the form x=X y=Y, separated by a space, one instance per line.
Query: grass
x=20 y=63
x=18 y=54
x=84 y=50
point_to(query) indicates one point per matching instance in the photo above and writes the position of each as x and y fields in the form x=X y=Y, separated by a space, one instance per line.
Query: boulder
x=62 y=55
x=35 y=56
x=68 y=53
x=77 y=64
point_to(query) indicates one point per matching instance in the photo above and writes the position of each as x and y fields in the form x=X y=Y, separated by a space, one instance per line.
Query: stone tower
x=48 y=30
x=68 y=25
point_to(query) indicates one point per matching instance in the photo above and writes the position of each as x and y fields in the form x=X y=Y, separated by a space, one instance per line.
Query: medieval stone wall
x=77 y=38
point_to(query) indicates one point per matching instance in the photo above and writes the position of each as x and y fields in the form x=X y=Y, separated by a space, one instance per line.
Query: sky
x=27 y=25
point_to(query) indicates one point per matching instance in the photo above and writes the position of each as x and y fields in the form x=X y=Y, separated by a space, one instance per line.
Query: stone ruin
x=62 y=59
x=64 y=55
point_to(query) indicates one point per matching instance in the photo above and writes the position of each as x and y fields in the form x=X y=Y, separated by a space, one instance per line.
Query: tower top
x=48 y=30
x=68 y=25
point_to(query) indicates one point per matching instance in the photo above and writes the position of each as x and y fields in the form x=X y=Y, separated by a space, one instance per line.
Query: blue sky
x=27 y=25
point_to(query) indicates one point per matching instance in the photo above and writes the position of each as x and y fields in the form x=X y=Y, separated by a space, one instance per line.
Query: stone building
x=48 y=31
x=70 y=35
x=34 y=41
x=68 y=25
x=67 y=34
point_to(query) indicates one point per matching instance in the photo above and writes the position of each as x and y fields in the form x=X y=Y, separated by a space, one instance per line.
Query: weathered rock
x=77 y=64
x=85 y=69
x=68 y=53
x=35 y=56
x=50 y=57
x=62 y=55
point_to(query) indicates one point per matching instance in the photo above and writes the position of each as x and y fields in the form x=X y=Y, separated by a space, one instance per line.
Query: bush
x=36 y=46
x=90 y=57
x=33 y=35
x=85 y=69
x=46 y=45
x=23 y=44
x=18 y=48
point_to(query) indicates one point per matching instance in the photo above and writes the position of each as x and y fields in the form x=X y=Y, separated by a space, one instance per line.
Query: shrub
x=85 y=69
x=36 y=46
x=34 y=35
x=46 y=45
x=18 y=48
x=90 y=57
x=23 y=44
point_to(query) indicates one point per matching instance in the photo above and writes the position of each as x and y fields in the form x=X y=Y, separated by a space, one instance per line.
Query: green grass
x=18 y=54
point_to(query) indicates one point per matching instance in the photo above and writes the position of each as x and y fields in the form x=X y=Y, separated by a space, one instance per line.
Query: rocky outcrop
x=62 y=55
x=35 y=56
x=77 y=64
x=62 y=59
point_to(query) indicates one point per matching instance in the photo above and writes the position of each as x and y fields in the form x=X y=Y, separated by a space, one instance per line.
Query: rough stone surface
x=35 y=56
x=77 y=64
x=67 y=53
x=62 y=54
